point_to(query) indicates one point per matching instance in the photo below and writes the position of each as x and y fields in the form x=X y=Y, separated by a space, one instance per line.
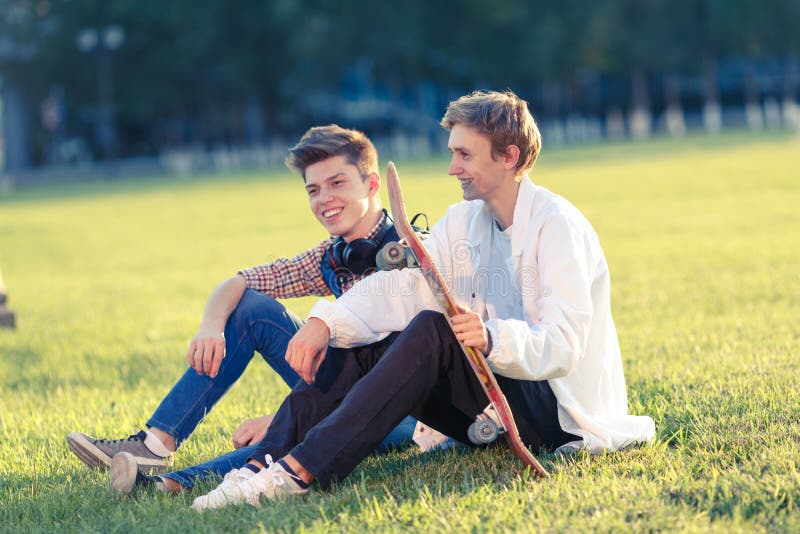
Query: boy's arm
x=299 y=276
x=283 y=278
x=307 y=349
x=374 y=307
x=549 y=342
x=207 y=347
x=386 y=301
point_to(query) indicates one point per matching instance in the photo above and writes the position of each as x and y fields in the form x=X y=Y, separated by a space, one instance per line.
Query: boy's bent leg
x=259 y=323
x=422 y=372
x=305 y=406
x=308 y=404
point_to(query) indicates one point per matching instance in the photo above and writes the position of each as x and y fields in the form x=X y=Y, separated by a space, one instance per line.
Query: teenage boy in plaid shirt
x=339 y=168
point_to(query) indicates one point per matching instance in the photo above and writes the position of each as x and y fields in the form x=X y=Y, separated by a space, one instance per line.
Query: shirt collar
x=377 y=228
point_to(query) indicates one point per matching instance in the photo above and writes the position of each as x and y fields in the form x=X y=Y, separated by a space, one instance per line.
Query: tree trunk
x=791 y=110
x=752 y=107
x=16 y=128
x=712 y=111
x=675 y=123
x=640 y=121
x=553 y=98
x=615 y=123
x=253 y=131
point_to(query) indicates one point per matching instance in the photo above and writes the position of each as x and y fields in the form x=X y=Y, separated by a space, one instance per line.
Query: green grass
x=108 y=282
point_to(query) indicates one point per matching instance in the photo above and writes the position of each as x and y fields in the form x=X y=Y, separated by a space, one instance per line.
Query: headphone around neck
x=358 y=256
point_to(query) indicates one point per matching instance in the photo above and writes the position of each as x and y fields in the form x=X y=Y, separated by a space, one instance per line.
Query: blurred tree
x=756 y=31
x=210 y=72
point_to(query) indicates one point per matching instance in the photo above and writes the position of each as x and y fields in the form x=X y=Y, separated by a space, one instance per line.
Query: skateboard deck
x=476 y=360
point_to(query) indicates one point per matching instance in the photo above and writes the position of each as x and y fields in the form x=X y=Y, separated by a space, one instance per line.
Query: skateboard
x=497 y=418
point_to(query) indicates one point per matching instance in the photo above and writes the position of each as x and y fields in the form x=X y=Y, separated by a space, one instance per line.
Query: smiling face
x=340 y=199
x=482 y=175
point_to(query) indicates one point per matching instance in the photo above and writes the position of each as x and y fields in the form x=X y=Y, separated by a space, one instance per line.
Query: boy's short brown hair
x=504 y=118
x=322 y=142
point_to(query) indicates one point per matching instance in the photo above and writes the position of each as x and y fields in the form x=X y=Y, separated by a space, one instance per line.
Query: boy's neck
x=502 y=205
x=367 y=223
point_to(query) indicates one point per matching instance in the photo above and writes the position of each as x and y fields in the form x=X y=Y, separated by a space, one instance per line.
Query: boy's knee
x=256 y=304
x=428 y=320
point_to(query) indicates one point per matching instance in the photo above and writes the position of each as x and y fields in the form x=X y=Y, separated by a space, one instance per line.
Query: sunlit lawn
x=703 y=237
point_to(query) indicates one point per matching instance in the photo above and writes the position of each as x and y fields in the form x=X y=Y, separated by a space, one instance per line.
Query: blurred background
x=136 y=87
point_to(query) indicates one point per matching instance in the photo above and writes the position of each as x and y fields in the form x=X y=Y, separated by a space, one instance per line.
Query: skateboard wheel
x=391 y=256
x=482 y=432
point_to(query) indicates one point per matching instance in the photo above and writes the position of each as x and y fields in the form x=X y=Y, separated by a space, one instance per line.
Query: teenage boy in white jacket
x=530 y=274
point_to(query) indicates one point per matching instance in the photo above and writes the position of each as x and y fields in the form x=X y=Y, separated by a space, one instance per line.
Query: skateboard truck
x=486 y=428
x=395 y=255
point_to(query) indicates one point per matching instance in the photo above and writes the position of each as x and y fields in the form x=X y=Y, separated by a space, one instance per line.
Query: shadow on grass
x=404 y=486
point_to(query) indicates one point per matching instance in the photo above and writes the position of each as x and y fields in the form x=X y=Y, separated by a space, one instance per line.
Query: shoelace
x=134 y=437
x=255 y=487
x=252 y=482
x=277 y=480
x=245 y=487
x=233 y=474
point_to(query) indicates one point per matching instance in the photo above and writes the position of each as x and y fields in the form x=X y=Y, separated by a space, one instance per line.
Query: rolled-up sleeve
x=298 y=276
x=380 y=304
x=375 y=307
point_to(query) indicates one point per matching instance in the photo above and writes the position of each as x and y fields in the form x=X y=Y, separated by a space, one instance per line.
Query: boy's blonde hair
x=504 y=118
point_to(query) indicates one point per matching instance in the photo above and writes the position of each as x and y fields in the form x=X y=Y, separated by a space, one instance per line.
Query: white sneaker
x=242 y=486
x=227 y=491
x=429 y=439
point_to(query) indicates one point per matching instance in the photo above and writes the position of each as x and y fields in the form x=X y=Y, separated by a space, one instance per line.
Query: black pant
x=361 y=394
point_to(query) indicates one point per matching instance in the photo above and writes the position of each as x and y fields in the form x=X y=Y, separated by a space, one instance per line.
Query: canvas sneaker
x=97 y=453
x=242 y=486
x=429 y=439
x=124 y=475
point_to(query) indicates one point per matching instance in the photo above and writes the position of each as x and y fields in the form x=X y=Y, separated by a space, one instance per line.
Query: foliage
x=192 y=72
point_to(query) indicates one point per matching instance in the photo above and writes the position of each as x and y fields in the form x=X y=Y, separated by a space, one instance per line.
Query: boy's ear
x=374 y=182
x=511 y=157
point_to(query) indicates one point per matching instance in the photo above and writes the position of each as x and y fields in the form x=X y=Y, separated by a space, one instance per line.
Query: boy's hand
x=206 y=351
x=306 y=350
x=470 y=330
x=251 y=431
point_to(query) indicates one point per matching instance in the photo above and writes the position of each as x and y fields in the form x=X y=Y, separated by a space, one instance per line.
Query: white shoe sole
x=97 y=459
x=122 y=476
x=87 y=452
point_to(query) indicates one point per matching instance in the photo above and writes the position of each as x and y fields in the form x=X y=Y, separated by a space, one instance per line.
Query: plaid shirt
x=301 y=275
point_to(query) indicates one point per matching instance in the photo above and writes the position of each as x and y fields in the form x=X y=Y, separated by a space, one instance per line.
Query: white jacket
x=566 y=333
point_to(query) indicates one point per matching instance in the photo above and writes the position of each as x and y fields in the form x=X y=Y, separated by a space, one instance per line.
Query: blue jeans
x=400 y=435
x=259 y=323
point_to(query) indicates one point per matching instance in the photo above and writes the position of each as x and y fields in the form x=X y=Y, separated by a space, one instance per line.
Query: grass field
x=108 y=282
